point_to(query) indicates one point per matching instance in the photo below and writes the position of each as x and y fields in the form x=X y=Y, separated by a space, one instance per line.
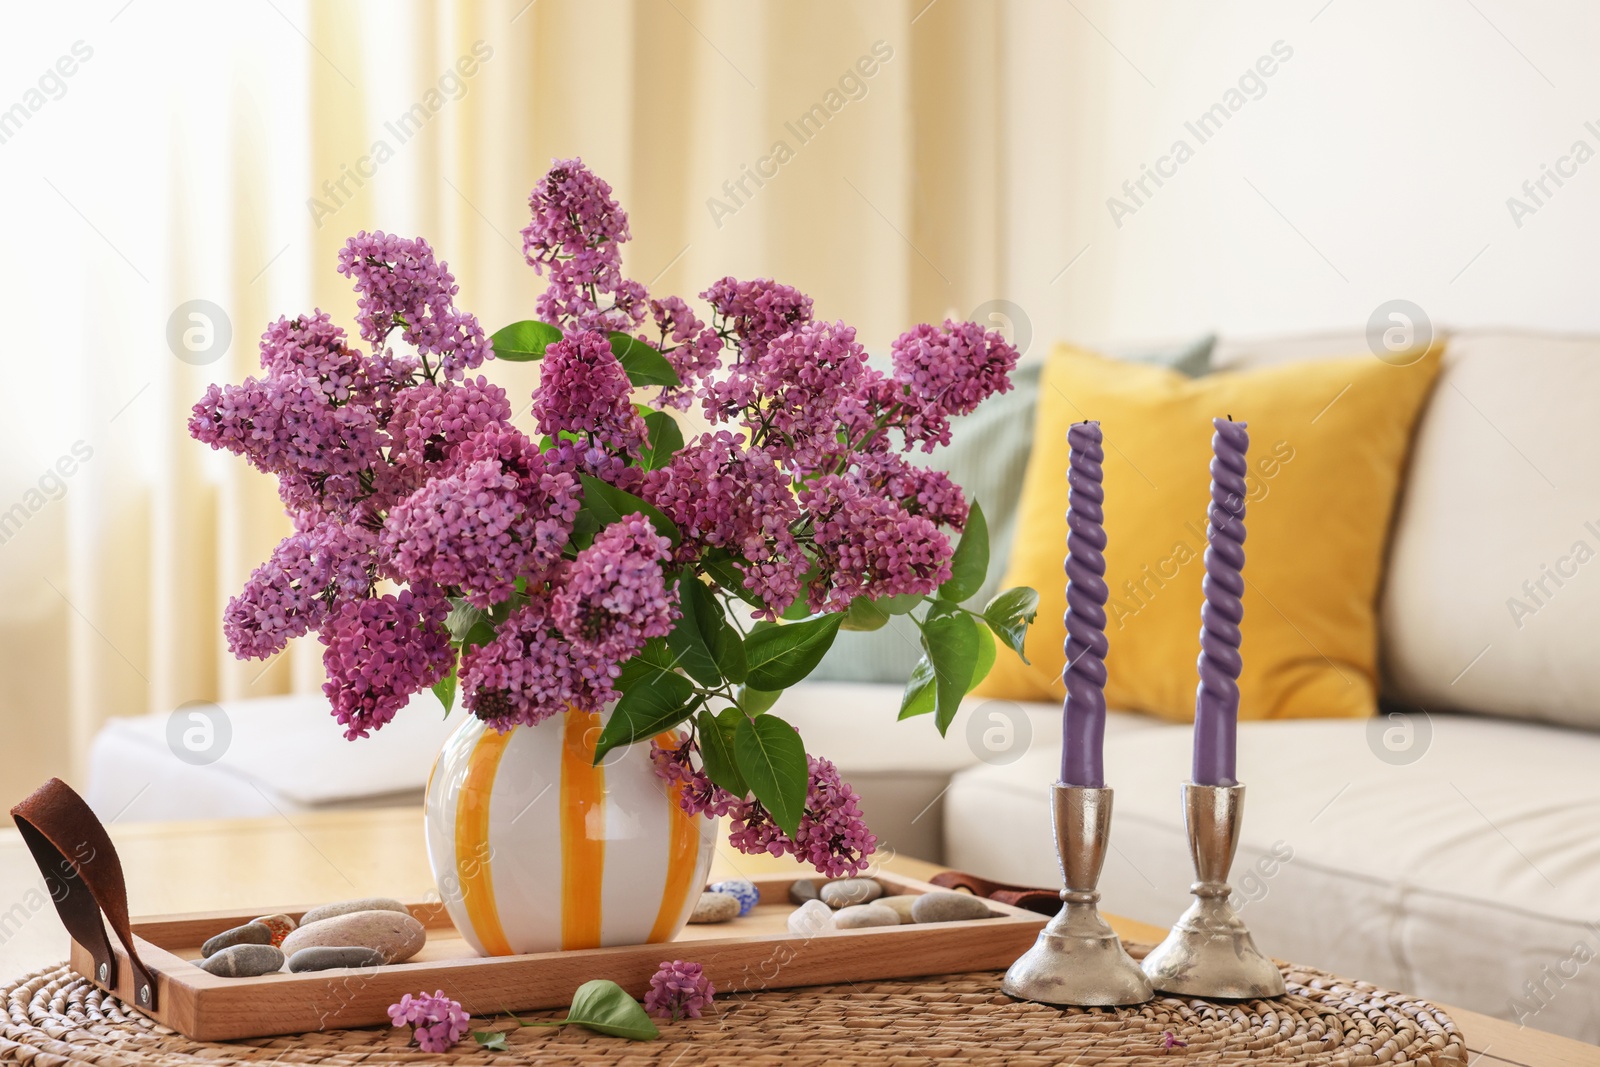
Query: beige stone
x=346 y=907
x=901 y=905
x=398 y=936
x=859 y=916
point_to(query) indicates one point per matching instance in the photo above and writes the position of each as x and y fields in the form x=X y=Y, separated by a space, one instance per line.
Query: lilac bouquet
x=608 y=562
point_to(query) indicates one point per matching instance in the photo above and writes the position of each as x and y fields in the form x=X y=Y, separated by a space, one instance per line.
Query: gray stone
x=901 y=905
x=398 y=936
x=323 y=957
x=859 y=916
x=811 y=918
x=803 y=890
x=346 y=907
x=251 y=933
x=242 y=961
x=847 y=891
x=715 y=908
x=949 y=908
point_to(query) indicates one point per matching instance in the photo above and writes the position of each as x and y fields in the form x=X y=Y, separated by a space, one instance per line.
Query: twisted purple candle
x=1083 y=716
x=1216 y=711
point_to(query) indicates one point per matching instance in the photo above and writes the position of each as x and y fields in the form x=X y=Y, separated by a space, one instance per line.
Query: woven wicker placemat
x=56 y=1017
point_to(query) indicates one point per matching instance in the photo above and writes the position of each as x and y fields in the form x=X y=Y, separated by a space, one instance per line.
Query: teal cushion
x=987 y=455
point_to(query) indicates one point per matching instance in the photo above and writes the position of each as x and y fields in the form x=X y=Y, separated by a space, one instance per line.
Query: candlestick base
x=1078 y=959
x=1209 y=952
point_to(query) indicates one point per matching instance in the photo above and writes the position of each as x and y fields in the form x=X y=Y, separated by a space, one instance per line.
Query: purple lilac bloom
x=427 y=425
x=584 y=390
x=403 y=286
x=313 y=345
x=493 y=520
x=692 y=348
x=575 y=237
x=615 y=595
x=291 y=593
x=920 y=490
x=947 y=371
x=758 y=312
x=436 y=1021
x=832 y=835
x=381 y=650
x=721 y=495
x=528 y=673
x=869 y=545
x=679 y=990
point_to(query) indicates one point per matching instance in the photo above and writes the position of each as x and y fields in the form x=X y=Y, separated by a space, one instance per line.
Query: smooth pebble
x=949 y=908
x=242 y=961
x=901 y=905
x=715 y=908
x=811 y=918
x=803 y=890
x=398 y=936
x=847 y=891
x=280 y=925
x=744 y=892
x=859 y=916
x=251 y=933
x=323 y=957
x=348 y=907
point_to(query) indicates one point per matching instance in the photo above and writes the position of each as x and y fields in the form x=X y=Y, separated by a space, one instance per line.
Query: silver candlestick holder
x=1078 y=959
x=1209 y=952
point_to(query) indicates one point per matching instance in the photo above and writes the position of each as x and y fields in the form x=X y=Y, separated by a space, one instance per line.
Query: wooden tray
x=747 y=955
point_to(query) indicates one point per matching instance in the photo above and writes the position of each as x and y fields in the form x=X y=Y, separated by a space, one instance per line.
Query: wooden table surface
x=268 y=864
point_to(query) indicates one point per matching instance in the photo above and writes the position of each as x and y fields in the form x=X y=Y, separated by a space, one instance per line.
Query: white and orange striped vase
x=534 y=849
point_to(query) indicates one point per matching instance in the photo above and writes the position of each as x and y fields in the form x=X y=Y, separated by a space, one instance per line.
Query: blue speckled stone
x=744 y=892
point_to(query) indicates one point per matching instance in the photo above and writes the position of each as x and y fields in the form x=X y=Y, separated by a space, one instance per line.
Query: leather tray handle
x=1043 y=901
x=84 y=878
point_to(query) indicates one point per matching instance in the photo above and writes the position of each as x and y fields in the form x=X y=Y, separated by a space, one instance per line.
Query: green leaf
x=604 y=1007
x=780 y=656
x=644 y=364
x=655 y=658
x=494 y=1041
x=865 y=614
x=951 y=645
x=1009 y=615
x=728 y=649
x=757 y=701
x=691 y=639
x=666 y=437
x=714 y=734
x=718 y=563
x=986 y=652
x=900 y=605
x=653 y=704
x=469 y=626
x=606 y=503
x=918 y=699
x=772 y=759
x=523 y=342
x=970 y=564
x=445 y=688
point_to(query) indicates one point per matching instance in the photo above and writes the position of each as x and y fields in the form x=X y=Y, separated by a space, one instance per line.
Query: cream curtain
x=855 y=150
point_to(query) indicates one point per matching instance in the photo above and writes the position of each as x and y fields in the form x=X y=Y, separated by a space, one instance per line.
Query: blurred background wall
x=898 y=159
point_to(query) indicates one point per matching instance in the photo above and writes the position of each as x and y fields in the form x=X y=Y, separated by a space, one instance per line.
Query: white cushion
x=1455 y=868
x=284 y=754
x=1248 y=353
x=1492 y=602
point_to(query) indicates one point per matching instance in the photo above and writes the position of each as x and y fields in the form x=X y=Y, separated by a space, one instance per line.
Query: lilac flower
x=381 y=650
x=437 y=1022
x=287 y=425
x=947 y=371
x=723 y=496
x=869 y=545
x=693 y=349
x=699 y=795
x=615 y=596
x=793 y=390
x=919 y=490
x=313 y=345
x=832 y=835
x=758 y=312
x=584 y=390
x=679 y=990
x=529 y=673
x=493 y=520
x=403 y=286
x=575 y=237
x=292 y=593
x=427 y=425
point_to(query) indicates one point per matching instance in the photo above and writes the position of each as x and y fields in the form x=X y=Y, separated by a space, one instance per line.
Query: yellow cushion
x=1328 y=444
